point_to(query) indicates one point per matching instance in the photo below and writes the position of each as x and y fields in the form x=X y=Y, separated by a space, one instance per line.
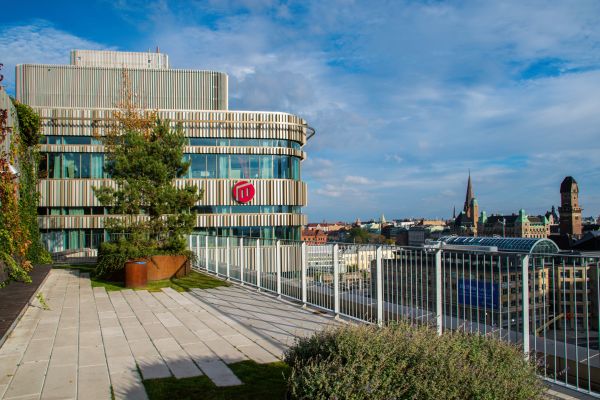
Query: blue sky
x=406 y=96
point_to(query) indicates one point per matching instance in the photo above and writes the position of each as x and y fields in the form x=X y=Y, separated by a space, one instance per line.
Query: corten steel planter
x=136 y=274
x=167 y=266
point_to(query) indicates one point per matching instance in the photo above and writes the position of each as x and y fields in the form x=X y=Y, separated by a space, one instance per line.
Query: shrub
x=113 y=255
x=407 y=362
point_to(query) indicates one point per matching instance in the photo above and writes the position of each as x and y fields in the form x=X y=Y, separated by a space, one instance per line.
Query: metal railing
x=547 y=304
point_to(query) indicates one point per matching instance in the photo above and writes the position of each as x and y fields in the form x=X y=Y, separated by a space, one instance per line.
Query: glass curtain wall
x=203 y=166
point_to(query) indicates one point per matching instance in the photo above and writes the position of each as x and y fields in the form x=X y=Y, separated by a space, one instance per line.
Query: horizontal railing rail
x=547 y=304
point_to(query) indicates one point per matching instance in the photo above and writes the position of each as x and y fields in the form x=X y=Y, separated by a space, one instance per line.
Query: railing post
x=258 y=266
x=336 y=280
x=303 y=263
x=242 y=261
x=228 y=257
x=198 y=249
x=278 y=266
x=379 y=277
x=206 y=252
x=439 y=312
x=525 y=277
x=217 y=255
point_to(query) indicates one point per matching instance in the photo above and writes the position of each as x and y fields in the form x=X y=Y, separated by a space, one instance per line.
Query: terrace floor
x=89 y=341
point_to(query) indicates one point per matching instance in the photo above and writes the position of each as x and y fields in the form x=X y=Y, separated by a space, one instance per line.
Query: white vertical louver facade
x=119 y=59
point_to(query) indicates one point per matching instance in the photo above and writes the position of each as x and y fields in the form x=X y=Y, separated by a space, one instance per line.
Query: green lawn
x=261 y=381
x=193 y=280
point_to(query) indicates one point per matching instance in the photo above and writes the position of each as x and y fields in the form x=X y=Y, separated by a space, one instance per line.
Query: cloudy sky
x=406 y=96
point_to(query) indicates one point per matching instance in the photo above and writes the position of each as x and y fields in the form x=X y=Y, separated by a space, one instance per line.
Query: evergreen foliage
x=144 y=157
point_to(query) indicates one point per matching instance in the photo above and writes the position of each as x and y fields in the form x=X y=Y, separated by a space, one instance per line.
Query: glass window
x=71 y=165
x=96 y=140
x=97 y=166
x=85 y=165
x=75 y=211
x=54 y=139
x=284 y=167
x=266 y=167
x=223 y=166
x=211 y=166
x=254 y=168
x=198 y=165
x=238 y=167
x=54 y=165
x=77 y=140
x=245 y=209
x=295 y=168
x=203 y=141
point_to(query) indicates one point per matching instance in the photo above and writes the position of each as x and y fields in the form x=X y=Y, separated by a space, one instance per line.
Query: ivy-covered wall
x=20 y=242
x=29 y=158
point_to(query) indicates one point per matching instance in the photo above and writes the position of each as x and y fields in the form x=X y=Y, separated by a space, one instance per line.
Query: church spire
x=469 y=197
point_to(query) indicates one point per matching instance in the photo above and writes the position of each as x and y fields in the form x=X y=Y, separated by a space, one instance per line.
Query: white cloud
x=38 y=42
x=357 y=180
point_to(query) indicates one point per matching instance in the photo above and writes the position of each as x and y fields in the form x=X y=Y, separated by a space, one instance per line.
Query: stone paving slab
x=60 y=382
x=15 y=296
x=93 y=382
x=90 y=341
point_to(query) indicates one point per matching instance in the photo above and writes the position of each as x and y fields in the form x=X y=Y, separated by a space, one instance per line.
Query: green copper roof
x=522 y=217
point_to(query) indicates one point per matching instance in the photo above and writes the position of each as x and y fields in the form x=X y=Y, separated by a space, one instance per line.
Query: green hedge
x=407 y=362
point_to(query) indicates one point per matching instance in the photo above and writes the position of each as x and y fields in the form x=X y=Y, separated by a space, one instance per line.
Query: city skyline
x=405 y=97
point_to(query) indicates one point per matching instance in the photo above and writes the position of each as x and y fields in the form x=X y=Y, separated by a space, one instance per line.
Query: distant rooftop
x=521 y=245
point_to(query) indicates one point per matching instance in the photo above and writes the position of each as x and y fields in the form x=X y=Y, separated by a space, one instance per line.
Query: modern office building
x=259 y=151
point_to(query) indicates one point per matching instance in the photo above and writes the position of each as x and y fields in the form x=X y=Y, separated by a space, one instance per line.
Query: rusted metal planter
x=136 y=274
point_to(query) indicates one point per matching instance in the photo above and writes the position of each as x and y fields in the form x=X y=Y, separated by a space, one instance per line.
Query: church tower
x=468 y=207
x=570 y=212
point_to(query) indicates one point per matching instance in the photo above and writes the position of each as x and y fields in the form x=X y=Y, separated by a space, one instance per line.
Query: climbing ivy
x=29 y=125
x=29 y=156
x=20 y=242
x=14 y=240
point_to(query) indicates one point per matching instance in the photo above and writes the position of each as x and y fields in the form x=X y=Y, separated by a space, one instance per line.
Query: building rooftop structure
x=521 y=245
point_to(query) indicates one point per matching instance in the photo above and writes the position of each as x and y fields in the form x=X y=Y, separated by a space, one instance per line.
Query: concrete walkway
x=90 y=342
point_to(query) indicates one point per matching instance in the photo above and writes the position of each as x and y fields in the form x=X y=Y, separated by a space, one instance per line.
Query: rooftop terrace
x=90 y=341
